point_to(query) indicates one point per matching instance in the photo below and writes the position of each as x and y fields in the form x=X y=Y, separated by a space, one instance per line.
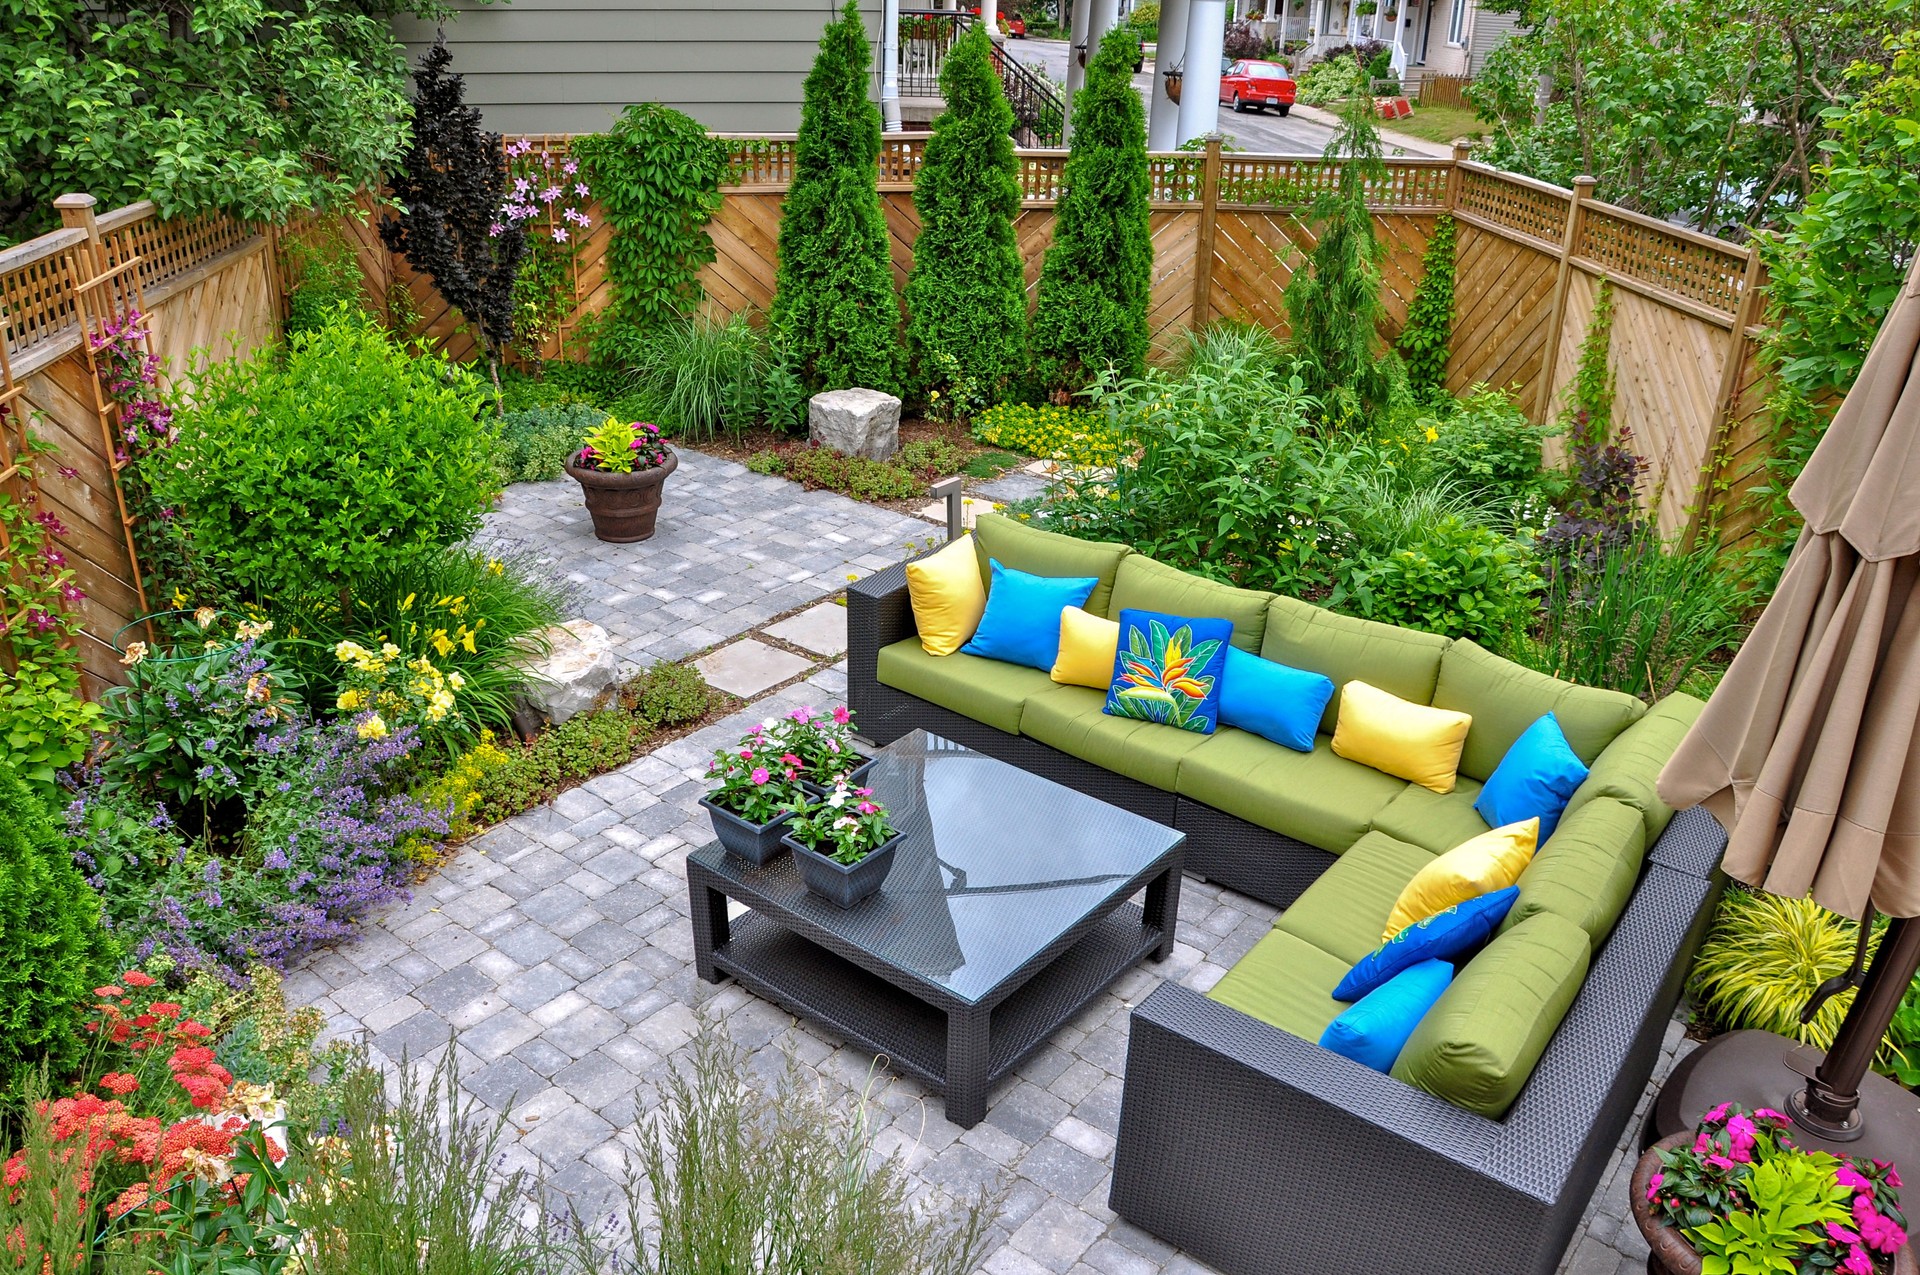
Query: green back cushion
x=1345 y=910
x=1479 y=1043
x=1630 y=767
x=1404 y=662
x=1147 y=585
x=1047 y=553
x=1586 y=870
x=1505 y=699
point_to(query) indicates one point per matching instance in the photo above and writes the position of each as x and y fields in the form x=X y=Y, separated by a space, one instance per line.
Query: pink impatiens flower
x=1849 y=1177
x=1653 y=1185
x=1893 y=1174
x=1858 y=1262
x=1740 y=1135
x=840 y=714
x=760 y=775
x=1716 y=1115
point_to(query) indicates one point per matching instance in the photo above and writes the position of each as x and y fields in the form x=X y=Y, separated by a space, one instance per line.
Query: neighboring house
x=1434 y=37
x=571 y=66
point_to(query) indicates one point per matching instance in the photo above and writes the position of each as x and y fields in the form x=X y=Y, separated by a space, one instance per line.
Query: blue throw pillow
x=1168 y=670
x=1439 y=937
x=1375 y=1030
x=1534 y=780
x=1022 y=621
x=1272 y=700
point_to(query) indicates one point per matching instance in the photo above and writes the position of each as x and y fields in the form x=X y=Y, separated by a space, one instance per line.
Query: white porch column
x=990 y=16
x=1400 y=58
x=1163 y=123
x=890 y=66
x=1285 y=15
x=1200 y=89
x=1076 y=74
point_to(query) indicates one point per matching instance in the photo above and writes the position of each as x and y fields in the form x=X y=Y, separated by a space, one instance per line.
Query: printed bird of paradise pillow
x=1168 y=670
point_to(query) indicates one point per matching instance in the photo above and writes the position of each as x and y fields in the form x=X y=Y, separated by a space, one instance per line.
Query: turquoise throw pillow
x=1534 y=780
x=1273 y=700
x=1168 y=670
x=1022 y=621
x=1375 y=1030
x=1440 y=937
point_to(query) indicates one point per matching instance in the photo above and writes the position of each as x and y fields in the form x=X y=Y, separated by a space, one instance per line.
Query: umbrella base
x=1760 y=1069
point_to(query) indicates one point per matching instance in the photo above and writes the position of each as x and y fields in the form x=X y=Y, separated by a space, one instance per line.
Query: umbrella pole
x=1829 y=1106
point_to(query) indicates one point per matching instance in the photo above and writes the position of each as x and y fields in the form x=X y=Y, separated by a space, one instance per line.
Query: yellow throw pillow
x=1406 y=740
x=947 y=596
x=1491 y=861
x=1088 y=645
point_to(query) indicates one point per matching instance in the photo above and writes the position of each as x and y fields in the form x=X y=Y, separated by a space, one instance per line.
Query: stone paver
x=970 y=510
x=734 y=549
x=821 y=629
x=746 y=668
x=556 y=948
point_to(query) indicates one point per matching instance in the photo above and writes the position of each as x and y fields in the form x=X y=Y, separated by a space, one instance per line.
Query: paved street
x=1304 y=132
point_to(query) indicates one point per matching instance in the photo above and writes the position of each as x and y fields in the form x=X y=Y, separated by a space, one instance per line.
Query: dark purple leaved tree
x=452 y=190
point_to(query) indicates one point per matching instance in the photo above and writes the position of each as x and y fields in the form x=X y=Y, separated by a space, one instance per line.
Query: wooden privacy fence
x=1228 y=234
x=201 y=283
x=1445 y=90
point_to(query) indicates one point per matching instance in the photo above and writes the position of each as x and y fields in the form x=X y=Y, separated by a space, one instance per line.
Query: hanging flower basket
x=1173 y=85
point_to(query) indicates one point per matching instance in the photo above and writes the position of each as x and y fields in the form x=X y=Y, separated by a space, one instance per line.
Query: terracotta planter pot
x=1671 y=1254
x=624 y=507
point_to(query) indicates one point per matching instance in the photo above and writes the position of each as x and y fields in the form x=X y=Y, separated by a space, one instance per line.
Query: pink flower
x=559 y=234
x=1879 y=1232
x=1719 y=1162
x=1892 y=1174
x=1717 y=1115
x=1653 y=1185
x=1848 y=1176
x=841 y=715
x=803 y=715
x=866 y=808
x=746 y=754
x=1769 y=1115
x=1740 y=1135
x=1702 y=1144
x=789 y=759
x=1858 y=1262
x=1840 y=1234
x=760 y=775
x=571 y=167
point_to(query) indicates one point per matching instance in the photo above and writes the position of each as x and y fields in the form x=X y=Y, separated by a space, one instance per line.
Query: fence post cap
x=1462 y=147
x=75 y=201
x=1583 y=185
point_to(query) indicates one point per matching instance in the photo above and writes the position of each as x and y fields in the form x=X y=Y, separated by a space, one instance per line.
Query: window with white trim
x=1457 y=23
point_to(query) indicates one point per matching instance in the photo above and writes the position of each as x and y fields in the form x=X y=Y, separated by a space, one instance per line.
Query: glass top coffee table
x=1006 y=911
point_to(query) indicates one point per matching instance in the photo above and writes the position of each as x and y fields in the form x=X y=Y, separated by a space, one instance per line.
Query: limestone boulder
x=578 y=671
x=855 y=422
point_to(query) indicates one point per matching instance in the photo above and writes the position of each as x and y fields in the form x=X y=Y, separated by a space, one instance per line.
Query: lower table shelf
x=813 y=982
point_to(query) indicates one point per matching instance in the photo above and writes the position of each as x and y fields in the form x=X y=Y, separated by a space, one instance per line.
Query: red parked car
x=1251 y=85
x=1014 y=26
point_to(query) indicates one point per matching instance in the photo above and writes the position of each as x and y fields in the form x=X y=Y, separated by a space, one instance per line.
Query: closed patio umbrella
x=1809 y=753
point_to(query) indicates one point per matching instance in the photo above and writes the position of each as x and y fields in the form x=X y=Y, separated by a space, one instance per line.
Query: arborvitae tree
x=455 y=225
x=1334 y=302
x=1425 y=341
x=834 y=301
x=1098 y=273
x=967 y=295
x=52 y=950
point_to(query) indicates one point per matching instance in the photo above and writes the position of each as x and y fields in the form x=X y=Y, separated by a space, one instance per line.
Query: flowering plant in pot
x=824 y=744
x=843 y=844
x=755 y=790
x=622 y=466
x=1738 y=1195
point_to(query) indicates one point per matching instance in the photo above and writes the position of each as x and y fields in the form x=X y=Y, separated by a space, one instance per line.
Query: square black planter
x=843 y=884
x=854 y=776
x=754 y=842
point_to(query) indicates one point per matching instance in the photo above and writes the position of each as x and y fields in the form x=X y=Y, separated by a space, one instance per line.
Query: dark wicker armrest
x=879 y=614
x=1692 y=843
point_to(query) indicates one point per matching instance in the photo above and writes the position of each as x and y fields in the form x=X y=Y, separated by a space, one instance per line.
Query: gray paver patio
x=555 y=950
x=821 y=629
x=747 y=667
x=733 y=550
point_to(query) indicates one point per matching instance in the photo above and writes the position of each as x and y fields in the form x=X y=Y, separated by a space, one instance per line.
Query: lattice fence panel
x=1503 y=293
x=1519 y=204
x=1685 y=264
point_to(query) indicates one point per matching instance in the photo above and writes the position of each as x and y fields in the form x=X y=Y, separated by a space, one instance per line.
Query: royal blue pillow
x=1439 y=937
x=1168 y=670
x=1273 y=700
x=1022 y=620
x=1535 y=779
x=1375 y=1030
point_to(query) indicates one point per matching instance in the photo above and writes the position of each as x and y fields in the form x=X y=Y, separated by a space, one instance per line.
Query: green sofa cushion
x=1479 y=1043
x=1285 y=982
x=1587 y=869
x=1436 y=822
x=1630 y=767
x=1404 y=662
x=989 y=691
x=1071 y=719
x=1025 y=547
x=1315 y=797
x=1147 y=585
x=1505 y=698
x=1344 y=912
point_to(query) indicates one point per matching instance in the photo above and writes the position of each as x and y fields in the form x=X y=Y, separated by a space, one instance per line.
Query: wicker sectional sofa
x=1243 y=1141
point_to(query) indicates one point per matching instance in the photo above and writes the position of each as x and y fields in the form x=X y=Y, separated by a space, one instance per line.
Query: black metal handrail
x=926 y=37
x=1039 y=113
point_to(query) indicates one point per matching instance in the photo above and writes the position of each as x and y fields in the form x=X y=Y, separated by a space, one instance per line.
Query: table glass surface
x=995 y=865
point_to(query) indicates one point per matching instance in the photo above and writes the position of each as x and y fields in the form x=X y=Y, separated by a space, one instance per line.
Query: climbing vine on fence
x=657 y=174
x=1425 y=340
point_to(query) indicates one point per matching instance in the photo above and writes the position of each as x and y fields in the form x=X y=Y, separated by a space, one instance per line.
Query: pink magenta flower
x=1702 y=1144
x=1740 y=1135
x=559 y=234
x=1848 y=1176
x=746 y=754
x=1769 y=1115
x=1653 y=1185
x=1858 y=1262
x=1892 y=1174
x=803 y=714
x=1840 y=1234
x=760 y=775
x=1719 y=1162
x=866 y=807
x=841 y=715
x=1879 y=1232
x=1717 y=1115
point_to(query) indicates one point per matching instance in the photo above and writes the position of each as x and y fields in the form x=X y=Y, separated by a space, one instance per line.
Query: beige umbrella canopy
x=1809 y=750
